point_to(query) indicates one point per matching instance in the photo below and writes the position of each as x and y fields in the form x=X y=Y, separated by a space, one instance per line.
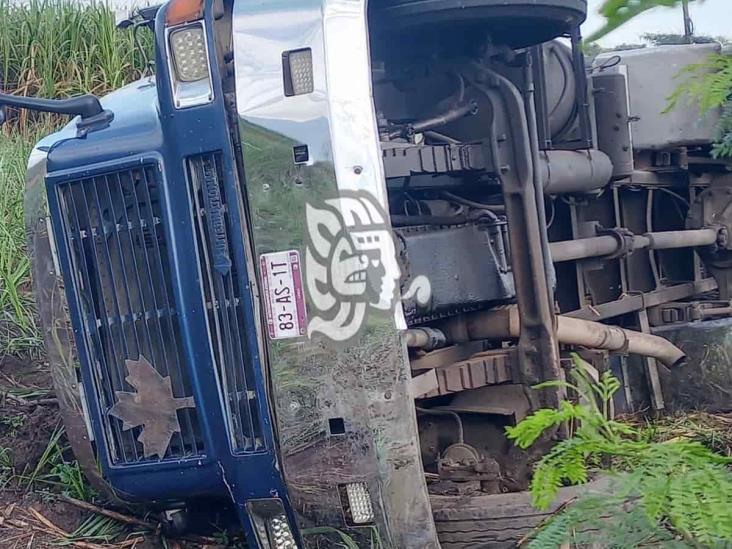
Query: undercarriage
x=552 y=206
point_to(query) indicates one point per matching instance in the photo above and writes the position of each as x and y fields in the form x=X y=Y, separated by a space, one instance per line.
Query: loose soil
x=30 y=516
x=24 y=431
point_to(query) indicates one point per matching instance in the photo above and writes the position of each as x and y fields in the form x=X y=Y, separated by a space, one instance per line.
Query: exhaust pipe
x=574 y=331
x=505 y=324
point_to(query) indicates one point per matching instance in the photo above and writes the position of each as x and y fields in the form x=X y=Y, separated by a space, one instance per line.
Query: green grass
x=72 y=481
x=54 y=49
x=337 y=538
x=52 y=456
x=18 y=330
x=96 y=529
x=12 y=422
x=6 y=467
x=712 y=430
x=51 y=48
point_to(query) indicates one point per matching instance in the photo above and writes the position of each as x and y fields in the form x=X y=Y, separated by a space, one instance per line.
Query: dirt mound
x=25 y=433
x=25 y=429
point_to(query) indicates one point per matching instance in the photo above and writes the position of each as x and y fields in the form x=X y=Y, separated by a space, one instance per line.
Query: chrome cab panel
x=341 y=393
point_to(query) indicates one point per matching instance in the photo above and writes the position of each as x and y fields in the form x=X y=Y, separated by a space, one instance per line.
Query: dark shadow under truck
x=313 y=266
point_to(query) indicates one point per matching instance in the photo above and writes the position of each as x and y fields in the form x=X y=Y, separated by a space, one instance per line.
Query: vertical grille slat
x=123 y=316
x=105 y=340
x=121 y=275
x=142 y=335
x=221 y=289
x=240 y=379
x=162 y=270
x=152 y=296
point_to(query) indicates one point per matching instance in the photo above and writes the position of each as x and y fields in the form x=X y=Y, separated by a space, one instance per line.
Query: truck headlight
x=280 y=533
x=358 y=503
x=189 y=53
x=270 y=524
x=190 y=72
x=298 y=71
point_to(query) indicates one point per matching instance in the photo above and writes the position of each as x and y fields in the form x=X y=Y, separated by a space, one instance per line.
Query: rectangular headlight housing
x=271 y=524
x=297 y=67
x=356 y=502
x=190 y=70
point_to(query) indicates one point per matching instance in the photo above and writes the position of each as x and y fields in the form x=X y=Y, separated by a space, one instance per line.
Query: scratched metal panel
x=352 y=363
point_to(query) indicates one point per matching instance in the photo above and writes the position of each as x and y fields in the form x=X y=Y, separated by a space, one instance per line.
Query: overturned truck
x=310 y=270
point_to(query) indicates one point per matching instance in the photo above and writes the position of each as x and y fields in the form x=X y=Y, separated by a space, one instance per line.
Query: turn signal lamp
x=183 y=11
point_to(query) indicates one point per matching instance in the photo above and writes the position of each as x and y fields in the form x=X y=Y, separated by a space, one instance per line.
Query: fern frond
x=567 y=461
x=618 y=12
x=678 y=485
x=532 y=427
x=722 y=148
x=708 y=83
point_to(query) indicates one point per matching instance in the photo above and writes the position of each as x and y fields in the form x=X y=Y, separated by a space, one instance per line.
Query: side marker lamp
x=270 y=524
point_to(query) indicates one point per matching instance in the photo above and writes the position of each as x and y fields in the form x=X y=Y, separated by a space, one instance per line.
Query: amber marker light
x=183 y=11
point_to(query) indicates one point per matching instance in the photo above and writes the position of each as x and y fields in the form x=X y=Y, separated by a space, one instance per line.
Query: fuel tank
x=516 y=23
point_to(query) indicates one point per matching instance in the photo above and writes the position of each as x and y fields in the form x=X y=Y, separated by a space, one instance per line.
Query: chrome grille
x=121 y=276
x=221 y=289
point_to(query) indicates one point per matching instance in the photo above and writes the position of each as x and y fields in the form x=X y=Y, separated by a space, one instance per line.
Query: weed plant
x=661 y=494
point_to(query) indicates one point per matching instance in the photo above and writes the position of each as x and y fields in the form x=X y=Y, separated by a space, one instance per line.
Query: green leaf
x=619 y=12
x=532 y=427
x=662 y=492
